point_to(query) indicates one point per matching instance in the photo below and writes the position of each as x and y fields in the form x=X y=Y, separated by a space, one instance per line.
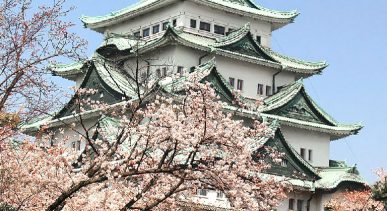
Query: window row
x=239 y=83
x=305 y=156
x=299 y=206
x=218 y=29
x=268 y=90
x=205 y=193
x=146 y=32
x=162 y=72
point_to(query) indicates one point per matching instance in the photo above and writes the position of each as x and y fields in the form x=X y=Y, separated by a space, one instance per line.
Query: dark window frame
x=258 y=39
x=156 y=29
x=300 y=204
x=193 y=23
x=146 y=32
x=221 y=28
x=260 y=89
x=205 y=26
x=180 y=70
x=268 y=91
x=174 y=22
x=310 y=155
x=240 y=84
x=302 y=152
x=231 y=81
x=291 y=204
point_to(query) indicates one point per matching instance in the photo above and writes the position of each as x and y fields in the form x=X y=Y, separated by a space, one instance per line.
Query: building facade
x=230 y=41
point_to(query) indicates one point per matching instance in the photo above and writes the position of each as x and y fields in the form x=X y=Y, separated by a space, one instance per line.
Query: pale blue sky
x=351 y=36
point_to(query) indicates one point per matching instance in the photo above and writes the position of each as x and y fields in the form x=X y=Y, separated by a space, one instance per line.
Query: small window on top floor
x=205 y=26
x=219 y=29
x=145 y=32
x=240 y=85
x=155 y=29
x=174 y=22
x=180 y=70
x=232 y=82
x=268 y=91
x=302 y=153
x=165 y=25
x=137 y=34
x=260 y=89
x=193 y=23
x=258 y=39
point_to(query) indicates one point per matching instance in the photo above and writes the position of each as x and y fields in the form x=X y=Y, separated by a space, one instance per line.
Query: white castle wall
x=186 y=10
x=318 y=142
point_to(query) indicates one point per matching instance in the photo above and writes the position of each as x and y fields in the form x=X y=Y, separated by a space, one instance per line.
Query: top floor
x=206 y=17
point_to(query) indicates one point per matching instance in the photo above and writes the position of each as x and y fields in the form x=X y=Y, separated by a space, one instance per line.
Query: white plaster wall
x=318 y=142
x=305 y=196
x=186 y=10
x=251 y=74
x=71 y=135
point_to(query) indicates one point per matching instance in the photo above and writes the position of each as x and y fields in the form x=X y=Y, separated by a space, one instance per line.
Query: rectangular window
x=174 y=22
x=302 y=153
x=180 y=70
x=268 y=91
x=219 y=194
x=219 y=29
x=232 y=81
x=155 y=29
x=284 y=163
x=291 y=204
x=300 y=204
x=137 y=34
x=193 y=23
x=145 y=32
x=260 y=89
x=202 y=192
x=240 y=85
x=310 y=155
x=76 y=145
x=164 y=73
x=258 y=38
x=165 y=25
x=158 y=73
x=205 y=26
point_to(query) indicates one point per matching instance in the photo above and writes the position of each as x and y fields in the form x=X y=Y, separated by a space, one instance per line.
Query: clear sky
x=350 y=35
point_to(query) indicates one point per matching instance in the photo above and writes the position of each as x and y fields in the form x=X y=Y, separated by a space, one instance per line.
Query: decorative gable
x=292 y=165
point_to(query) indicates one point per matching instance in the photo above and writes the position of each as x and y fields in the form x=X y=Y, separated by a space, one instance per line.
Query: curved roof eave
x=98 y=23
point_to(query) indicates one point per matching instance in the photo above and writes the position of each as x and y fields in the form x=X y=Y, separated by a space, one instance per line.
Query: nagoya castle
x=230 y=41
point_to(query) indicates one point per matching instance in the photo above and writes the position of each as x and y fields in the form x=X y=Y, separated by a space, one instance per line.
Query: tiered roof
x=241 y=7
x=239 y=45
x=324 y=179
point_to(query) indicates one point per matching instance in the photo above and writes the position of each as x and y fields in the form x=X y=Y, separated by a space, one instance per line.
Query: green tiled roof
x=219 y=46
x=68 y=71
x=241 y=7
x=325 y=123
x=332 y=177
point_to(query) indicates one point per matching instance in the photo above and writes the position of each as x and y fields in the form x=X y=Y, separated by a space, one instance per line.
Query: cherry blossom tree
x=373 y=198
x=161 y=152
x=32 y=37
x=156 y=152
